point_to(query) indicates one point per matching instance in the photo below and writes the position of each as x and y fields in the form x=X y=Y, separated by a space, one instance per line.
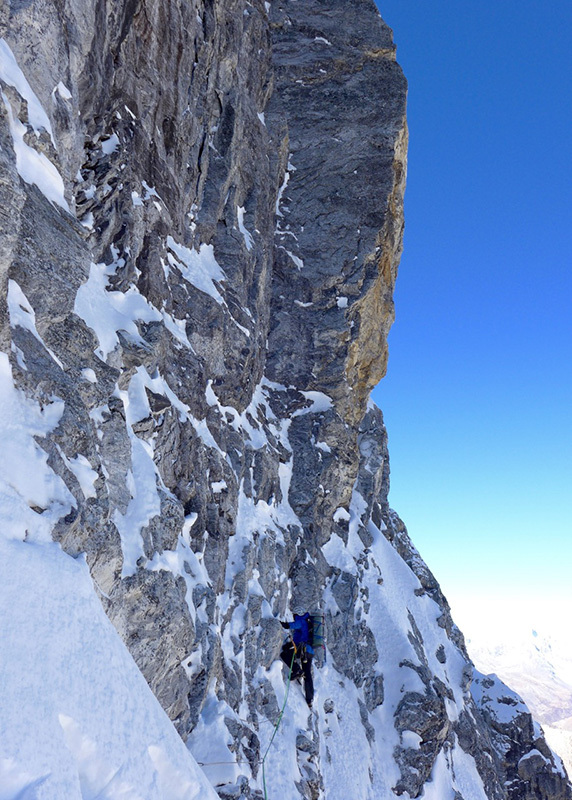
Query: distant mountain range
x=539 y=668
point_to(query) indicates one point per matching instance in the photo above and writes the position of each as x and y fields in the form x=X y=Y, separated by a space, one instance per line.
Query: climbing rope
x=263 y=760
x=279 y=720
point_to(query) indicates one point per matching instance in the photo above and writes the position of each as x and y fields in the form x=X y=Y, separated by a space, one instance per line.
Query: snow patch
x=201 y=269
x=23 y=315
x=32 y=496
x=34 y=167
x=12 y=75
x=248 y=240
x=107 y=312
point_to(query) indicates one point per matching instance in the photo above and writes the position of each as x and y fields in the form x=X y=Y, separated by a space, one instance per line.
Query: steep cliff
x=201 y=223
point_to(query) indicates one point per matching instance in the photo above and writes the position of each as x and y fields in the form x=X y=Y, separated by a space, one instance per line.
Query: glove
x=285 y=624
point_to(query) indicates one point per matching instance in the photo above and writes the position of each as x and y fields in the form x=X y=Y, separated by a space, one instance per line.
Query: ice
x=201 y=268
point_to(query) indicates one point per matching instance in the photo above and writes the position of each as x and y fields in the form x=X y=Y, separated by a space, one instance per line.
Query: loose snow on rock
x=108 y=312
x=32 y=496
x=11 y=74
x=201 y=268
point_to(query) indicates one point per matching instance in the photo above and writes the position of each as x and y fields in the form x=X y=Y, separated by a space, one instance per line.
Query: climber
x=297 y=651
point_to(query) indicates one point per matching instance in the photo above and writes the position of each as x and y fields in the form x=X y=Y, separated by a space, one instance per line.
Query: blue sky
x=478 y=396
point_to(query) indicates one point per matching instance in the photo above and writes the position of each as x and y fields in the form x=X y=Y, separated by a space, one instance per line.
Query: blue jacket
x=301 y=634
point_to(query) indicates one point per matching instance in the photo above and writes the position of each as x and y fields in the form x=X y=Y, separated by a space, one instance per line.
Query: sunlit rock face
x=201 y=221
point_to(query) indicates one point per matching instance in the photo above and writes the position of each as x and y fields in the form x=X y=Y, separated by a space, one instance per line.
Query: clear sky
x=478 y=396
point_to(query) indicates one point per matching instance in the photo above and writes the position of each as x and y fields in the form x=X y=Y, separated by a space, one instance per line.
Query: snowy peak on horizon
x=537 y=665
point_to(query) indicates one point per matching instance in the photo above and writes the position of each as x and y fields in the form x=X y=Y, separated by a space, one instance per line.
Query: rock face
x=201 y=222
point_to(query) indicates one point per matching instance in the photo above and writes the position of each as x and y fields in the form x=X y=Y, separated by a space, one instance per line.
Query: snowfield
x=77 y=719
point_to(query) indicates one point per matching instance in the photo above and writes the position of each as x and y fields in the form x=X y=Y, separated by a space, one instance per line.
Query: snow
x=454 y=773
x=62 y=90
x=110 y=145
x=33 y=166
x=342 y=302
x=392 y=595
x=107 y=312
x=298 y=263
x=23 y=315
x=341 y=515
x=77 y=719
x=209 y=742
x=85 y=475
x=26 y=480
x=12 y=75
x=281 y=191
x=319 y=403
x=501 y=702
x=201 y=268
x=248 y=240
x=141 y=479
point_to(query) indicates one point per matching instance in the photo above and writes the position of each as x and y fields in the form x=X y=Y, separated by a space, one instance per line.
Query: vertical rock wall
x=201 y=222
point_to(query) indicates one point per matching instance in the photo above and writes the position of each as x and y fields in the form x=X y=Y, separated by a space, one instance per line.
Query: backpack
x=318 y=633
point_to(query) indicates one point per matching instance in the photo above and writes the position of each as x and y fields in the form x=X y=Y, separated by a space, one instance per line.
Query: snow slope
x=77 y=719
